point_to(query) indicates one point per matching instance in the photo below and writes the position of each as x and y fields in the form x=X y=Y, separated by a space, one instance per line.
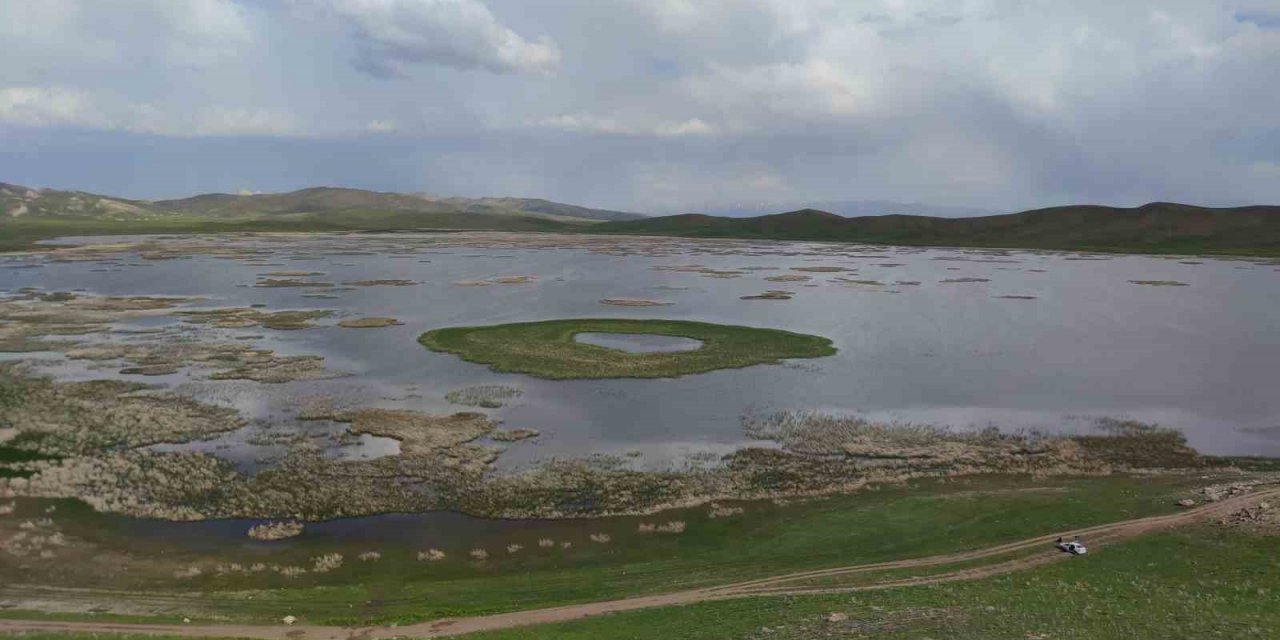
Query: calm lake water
x=1017 y=339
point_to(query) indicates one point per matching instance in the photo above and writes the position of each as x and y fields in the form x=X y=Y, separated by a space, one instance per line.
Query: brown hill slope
x=17 y=201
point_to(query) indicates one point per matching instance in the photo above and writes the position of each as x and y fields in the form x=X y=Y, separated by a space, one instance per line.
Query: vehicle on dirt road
x=1074 y=547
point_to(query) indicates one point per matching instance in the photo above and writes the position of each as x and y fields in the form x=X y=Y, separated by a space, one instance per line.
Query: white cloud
x=55 y=106
x=47 y=107
x=235 y=121
x=58 y=36
x=690 y=127
x=588 y=123
x=397 y=34
x=203 y=33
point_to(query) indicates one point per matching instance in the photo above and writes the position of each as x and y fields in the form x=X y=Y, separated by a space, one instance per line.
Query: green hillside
x=1152 y=228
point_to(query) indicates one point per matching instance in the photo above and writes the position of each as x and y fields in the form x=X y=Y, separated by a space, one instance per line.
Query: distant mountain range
x=1158 y=227
x=27 y=215
x=321 y=204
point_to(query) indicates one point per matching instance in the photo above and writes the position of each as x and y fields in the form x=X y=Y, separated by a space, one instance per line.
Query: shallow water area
x=453 y=531
x=638 y=342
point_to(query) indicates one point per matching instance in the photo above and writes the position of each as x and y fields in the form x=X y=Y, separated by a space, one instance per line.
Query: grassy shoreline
x=1201 y=582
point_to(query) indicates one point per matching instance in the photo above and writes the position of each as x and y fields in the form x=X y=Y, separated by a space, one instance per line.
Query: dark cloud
x=1260 y=18
x=394 y=35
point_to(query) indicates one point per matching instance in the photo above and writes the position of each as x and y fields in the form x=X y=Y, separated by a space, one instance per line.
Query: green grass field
x=548 y=350
x=895 y=522
x=1195 y=583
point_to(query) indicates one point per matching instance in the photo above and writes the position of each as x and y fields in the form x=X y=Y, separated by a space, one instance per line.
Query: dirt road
x=791 y=583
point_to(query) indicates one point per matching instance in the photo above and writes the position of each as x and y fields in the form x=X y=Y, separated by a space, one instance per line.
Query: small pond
x=638 y=342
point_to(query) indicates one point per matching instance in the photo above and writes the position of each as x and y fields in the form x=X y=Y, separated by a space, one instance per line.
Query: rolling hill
x=1158 y=227
x=322 y=203
x=17 y=201
x=540 y=206
x=30 y=215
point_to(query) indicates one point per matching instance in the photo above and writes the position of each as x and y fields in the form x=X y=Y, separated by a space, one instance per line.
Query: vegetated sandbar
x=368 y=323
x=1160 y=283
x=547 y=349
x=634 y=302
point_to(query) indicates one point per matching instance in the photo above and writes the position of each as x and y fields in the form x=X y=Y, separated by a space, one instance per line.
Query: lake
x=964 y=338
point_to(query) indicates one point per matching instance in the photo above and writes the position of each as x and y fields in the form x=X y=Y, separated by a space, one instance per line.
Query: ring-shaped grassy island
x=548 y=350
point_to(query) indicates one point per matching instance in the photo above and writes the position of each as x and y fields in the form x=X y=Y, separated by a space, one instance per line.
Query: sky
x=650 y=105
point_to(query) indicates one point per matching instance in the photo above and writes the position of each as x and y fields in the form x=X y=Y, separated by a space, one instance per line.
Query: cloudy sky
x=650 y=105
